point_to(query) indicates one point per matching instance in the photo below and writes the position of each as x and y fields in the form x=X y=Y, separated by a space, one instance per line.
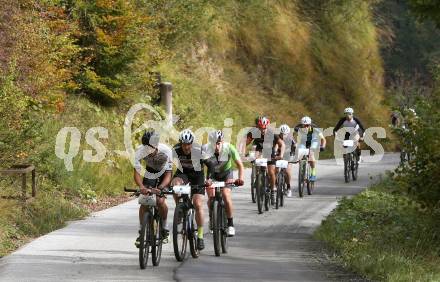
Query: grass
x=385 y=236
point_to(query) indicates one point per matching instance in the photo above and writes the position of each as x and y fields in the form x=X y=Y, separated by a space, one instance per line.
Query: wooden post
x=34 y=184
x=166 y=98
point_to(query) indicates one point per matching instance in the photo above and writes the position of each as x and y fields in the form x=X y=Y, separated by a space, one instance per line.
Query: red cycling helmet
x=262 y=122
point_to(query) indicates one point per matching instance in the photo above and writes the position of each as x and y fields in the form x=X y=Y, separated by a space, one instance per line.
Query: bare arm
x=282 y=147
x=166 y=180
x=240 y=167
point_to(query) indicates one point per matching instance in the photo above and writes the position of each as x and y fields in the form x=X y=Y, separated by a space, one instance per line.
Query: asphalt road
x=274 y=246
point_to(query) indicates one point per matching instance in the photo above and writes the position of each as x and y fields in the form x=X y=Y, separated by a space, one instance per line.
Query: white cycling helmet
x=348 y=111
x=186 y=137
x=306 y=120
x=217 y=136
x=284 y=129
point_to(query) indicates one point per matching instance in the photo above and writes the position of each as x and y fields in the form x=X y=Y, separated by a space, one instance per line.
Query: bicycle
x=151 y=236
x=281 y=166
x=219 y=222
x=304 y=172
x=261 y=181
x=184 y=229
x=351 y=161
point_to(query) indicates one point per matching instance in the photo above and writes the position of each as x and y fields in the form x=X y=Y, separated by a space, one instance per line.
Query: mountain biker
x=219 y=166
x=288 y=139
x=310 y=137
x=190 y=170
x=277 y=143
x=157 y=157
x=350 y=122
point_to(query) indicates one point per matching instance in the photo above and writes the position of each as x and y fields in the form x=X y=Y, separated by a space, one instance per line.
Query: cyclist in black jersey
x=190 y=170
x=262 y=148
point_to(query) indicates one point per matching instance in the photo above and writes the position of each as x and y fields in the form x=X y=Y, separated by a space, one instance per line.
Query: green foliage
x=409 y=47
x=419 y=138
x=427 y=9
x=385 y=235
x=113 y=35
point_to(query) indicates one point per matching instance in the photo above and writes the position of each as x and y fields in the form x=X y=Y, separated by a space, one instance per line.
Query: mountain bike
x=184 y=229
x=219 y=221
x=351 y=161
x=151 y=236
x=281 y=177
x=304 y=172
x=261 y=183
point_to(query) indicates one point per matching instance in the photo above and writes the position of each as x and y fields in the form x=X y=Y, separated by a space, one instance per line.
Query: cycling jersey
x=259 y=142
x=220 y=165
x=309 y=139
x=155 y=163
x=290 y=151
x=354 y=123
x=190 y=167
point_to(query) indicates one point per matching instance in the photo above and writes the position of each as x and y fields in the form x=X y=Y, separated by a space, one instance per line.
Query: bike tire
x=216 y=227
x=283 y=189
x=301 y=176
x=156 y=239
x=180 y=232
x=346 y=168
x=192 y=235
x=224 y=233
x=253 y=184
x=267 y=200
x=279 y=190
x=144 y=246
x=355 y=167
x=260 y=192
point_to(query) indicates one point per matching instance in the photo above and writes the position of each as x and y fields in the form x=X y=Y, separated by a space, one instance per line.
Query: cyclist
x=355 y=126
x=288 y=139
x=310 y=137
x=158 y=169
x=277 y=144
x=219 y=166
x=190 y=170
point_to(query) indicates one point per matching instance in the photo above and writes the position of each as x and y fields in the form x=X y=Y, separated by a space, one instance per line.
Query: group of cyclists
x=218 y=158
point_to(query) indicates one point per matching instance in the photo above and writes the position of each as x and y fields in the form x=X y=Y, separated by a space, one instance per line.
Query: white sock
x=164 y=222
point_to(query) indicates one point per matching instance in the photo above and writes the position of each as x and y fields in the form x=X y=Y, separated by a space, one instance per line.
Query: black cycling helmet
x=150 y=138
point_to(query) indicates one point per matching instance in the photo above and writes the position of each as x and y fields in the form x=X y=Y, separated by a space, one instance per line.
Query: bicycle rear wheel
x=259 y=185
x=216 y=228
x=180 y=232
x=192 y=232
x=144 y=246
x=156 y=239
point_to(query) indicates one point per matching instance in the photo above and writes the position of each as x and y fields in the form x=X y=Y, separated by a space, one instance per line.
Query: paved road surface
x=276 y=245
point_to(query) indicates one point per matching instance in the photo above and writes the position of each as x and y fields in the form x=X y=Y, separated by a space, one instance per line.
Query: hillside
x=84 y=63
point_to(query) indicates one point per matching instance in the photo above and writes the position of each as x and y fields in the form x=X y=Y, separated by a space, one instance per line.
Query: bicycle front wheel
x=216 y=226
x=156 y=239
x=259 y=185
x=180 y=232
x=301 y=178
x=253 y=188
x=144 y=246
x=192 y=232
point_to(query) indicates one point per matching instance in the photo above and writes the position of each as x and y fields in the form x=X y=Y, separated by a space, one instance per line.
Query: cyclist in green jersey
x=220 y=160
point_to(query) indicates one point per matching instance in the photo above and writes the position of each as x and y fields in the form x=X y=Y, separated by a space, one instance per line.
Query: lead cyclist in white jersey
x=310 y=137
